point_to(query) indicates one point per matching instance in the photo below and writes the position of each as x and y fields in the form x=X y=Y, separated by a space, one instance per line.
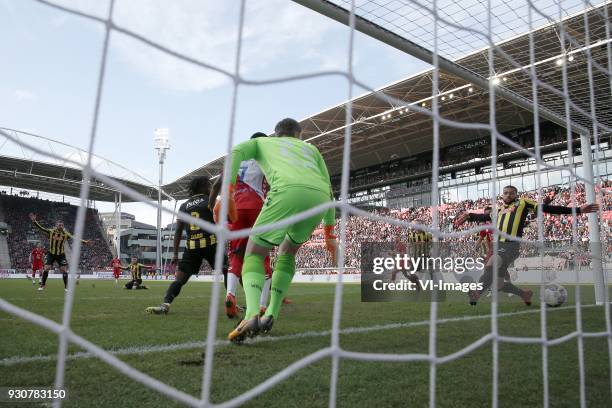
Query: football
x=555 y=295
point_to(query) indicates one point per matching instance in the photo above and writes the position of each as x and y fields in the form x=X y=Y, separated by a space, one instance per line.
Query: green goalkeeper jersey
x=286 y=162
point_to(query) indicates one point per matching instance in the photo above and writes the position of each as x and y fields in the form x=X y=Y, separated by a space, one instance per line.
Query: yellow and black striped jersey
x=420 y=243
x=419 y=236
x=197 y=206
x=135 y=270
x=511 y=217
x=57 y=238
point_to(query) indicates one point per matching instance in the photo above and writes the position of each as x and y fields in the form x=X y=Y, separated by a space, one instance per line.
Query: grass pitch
x=114 y=319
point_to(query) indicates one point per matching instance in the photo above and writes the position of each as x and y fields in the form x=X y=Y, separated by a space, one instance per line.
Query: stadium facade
x=139 y=239
x=465 y=171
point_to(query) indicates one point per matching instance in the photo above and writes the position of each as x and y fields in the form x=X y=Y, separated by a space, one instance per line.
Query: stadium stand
x=4 y=251
x=23 y=236
x=313 y=255
x=557 y=229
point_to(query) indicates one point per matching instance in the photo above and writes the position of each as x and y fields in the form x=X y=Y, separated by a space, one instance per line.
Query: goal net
x=506 y=63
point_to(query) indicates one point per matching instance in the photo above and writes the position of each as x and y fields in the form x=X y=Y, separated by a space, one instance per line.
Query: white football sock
x=232 y=283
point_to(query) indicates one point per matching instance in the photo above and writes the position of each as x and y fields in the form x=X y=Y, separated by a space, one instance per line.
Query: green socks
x=253 y=277
x=281 y=279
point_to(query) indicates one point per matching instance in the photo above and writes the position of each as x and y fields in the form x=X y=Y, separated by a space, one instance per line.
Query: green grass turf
x=114 y=319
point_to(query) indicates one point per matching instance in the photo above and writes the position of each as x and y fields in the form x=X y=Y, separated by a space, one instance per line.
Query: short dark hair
x=199 y=185
x=512 y=187
x=288 y=127
x=258 y=134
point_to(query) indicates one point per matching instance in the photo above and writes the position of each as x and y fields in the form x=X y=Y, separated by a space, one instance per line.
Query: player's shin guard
x=281 y=279
x=253 y=277
x=45 y=275
x=65 y=279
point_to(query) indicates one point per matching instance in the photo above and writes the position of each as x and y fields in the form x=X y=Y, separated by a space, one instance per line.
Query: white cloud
x=279 y=39
x=24 y=95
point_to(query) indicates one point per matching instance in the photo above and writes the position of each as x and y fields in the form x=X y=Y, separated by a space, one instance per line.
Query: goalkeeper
x=298 y=181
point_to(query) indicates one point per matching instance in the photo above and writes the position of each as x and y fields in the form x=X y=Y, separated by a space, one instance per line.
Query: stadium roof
x=377 y=139
x=29 y=171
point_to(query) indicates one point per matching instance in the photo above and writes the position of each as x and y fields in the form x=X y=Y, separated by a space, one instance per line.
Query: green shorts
x=280 y=205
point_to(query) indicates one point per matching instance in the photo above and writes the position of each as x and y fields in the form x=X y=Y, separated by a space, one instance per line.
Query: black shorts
x=411 y=276
x=508 y=252
x=192 y=259
x=135 y=282
x=60 y=259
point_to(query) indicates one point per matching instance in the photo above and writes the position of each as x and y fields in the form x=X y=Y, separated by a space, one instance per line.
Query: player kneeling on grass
x=135 y=269
x=298 y=181
x=201 y=245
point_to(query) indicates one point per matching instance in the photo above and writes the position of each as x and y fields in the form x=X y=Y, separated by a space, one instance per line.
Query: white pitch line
x=158 y=348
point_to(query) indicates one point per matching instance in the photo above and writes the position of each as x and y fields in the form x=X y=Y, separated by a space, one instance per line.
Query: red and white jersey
x=116 y=263
x=37 y=255
x=250 y=186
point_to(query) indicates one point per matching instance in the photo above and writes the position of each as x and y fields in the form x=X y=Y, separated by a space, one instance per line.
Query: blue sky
x=51 y=62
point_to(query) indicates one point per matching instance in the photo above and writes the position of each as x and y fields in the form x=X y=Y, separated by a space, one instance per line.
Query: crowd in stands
x=23 y=235
x=557 y=229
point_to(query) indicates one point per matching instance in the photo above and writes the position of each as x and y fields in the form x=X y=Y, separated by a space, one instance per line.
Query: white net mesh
x=481 y=44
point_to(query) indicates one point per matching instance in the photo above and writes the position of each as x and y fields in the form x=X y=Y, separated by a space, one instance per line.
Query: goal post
x=341 y=15
x=594 y=233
